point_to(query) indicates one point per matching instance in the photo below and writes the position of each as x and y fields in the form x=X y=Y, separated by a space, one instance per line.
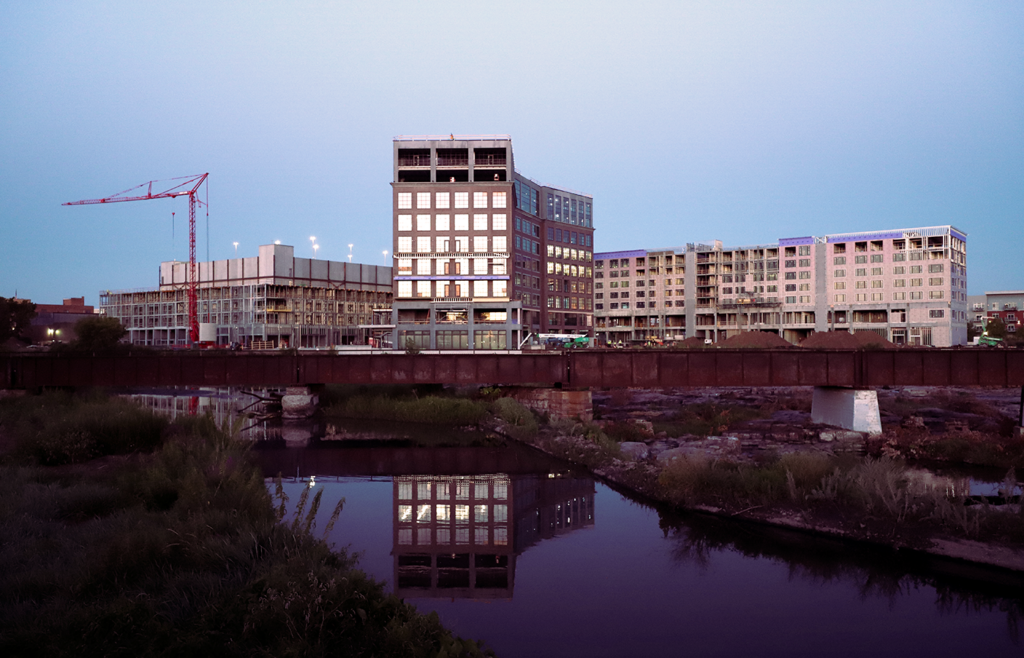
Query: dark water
x=536 y=559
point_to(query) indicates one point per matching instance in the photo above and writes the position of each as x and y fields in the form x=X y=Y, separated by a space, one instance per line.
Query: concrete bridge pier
x=849 y=408
x=299 y=402
x=577 y=404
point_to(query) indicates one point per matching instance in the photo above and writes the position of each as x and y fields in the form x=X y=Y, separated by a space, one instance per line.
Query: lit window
x=405 y=222
x=405 y=513
x=480 y=287
x=423 y=244
x=479 y=266
x=480 y=536
x=480 y=513
x=423 y=288
x=422 y=222
x=499 y=199
x=501 y=536
x=480 y=243
x=441 y=199
x=479 y=222
x=423 y=266
x=462 y=513
x=443 y=512
x=423 y=199
x=498 y=222
x=479 y=199
x=500 y=243
x=423 y=513
x=461 y=222
x=404 y=245
x=500 y=513
x=405 y=288
x=404 y=200
x=462 y=199
x=442 y=223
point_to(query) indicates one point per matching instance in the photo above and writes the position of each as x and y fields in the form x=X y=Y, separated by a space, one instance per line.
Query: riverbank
x=877 y=500
x=128 y=534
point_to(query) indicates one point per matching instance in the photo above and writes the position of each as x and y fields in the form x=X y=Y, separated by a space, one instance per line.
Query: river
x=537 y=559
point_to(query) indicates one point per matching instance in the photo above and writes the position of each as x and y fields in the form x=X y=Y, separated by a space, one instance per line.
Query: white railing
x=452 y=137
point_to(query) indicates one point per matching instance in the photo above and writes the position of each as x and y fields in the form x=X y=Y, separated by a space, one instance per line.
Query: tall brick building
x=483 y=255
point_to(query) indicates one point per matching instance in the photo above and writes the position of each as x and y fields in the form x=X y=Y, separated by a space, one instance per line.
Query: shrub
x=520 y=419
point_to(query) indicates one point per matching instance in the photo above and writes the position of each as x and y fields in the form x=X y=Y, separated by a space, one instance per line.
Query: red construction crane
x=186 y=185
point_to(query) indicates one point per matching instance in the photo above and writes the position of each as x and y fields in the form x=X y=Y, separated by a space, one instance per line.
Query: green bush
x=435 y=410
x=520 y=420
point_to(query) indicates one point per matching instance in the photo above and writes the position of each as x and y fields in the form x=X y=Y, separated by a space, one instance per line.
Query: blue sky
x=687 y=121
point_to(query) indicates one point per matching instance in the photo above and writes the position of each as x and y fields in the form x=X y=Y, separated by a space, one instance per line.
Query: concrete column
x=848 y=408
x=298 y=402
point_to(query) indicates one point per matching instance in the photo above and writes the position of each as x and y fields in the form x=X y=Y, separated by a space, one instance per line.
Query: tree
x=995 y=327
x=15 y=316
x=98 y=333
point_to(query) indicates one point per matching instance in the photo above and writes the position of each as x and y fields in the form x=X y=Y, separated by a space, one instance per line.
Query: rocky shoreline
x=782 y=426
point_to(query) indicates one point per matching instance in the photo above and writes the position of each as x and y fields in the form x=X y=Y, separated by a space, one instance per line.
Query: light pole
x=350 y=252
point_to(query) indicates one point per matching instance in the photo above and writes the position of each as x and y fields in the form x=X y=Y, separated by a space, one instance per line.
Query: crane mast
x=183 y=186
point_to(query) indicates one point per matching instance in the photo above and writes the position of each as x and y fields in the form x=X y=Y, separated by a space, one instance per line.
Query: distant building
x=1007 y=305
x=56 y=322
x=483 y=255
x=265 y=301
x=907 y=285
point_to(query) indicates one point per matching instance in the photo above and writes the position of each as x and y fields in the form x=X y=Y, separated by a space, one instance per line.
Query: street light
x=236 y=249
x=312 y=241
x=315 y=247
x=385 y=257
x=350 y=252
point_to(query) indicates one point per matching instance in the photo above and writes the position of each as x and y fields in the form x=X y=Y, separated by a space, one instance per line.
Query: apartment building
x=1008 y=305
x=907 y=285
x=270 y=300
x=484 y=256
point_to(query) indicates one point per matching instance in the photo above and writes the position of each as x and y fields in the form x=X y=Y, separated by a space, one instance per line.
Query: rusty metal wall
x=581 y=368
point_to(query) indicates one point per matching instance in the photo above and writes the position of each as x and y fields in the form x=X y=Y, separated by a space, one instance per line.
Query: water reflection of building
x=223 y=406
x=459 y=536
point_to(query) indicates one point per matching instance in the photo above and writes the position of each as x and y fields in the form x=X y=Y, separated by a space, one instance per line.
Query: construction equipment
x=183 y=186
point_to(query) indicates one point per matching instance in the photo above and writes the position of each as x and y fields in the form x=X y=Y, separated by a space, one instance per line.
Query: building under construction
x=267 y=301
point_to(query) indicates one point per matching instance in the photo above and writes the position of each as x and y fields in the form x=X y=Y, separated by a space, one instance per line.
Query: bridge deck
x=582 y=368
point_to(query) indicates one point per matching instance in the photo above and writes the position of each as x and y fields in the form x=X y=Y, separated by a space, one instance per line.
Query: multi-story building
x=908 y=285
x=1007 y=305
x=483 y=255
x=270 y=300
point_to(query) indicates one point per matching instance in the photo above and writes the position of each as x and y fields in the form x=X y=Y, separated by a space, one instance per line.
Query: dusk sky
x=687 y=121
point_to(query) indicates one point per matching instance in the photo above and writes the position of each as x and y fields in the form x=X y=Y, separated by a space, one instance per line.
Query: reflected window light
x=462 y=490
x=443 y=512
x=423 y=513
x=441 y=491
x=404 y=513
x=501 y=489
x=500 y=513
x=480 y=513
x=501 y=536
x=423 y=490
x=404 y=490
x=312 y=481
x=480 y=536
x=462 y=513
x=480 y=490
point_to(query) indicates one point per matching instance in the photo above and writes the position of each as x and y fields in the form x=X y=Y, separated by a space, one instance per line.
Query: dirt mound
x=749 y=339
x=844 y=340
